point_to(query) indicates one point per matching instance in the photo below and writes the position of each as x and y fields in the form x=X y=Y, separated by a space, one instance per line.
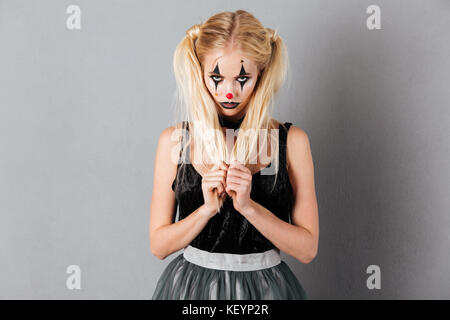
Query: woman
x=237 y=207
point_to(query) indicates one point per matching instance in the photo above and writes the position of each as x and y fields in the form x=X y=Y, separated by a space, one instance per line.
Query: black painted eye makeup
x=216 y=71
x=239 y=79
x=243 y=81
x=242 y=78
x=242 y=74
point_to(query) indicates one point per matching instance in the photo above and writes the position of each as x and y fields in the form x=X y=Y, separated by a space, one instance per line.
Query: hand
x=213 y=187
x=239 y=185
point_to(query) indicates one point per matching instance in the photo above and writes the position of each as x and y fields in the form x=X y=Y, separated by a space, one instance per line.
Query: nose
x=229 y=95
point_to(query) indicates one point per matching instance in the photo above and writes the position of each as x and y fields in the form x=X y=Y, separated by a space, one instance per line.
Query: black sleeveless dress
x=230 y=258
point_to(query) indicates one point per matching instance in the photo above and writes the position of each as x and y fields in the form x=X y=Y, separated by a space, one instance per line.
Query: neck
x=231 y=123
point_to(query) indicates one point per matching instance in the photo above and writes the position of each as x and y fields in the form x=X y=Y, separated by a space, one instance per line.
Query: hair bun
x=193 y=32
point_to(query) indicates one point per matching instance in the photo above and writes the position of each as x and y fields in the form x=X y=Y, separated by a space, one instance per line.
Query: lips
x=231 y=105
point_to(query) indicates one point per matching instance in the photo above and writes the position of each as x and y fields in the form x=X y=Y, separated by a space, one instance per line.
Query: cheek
x=210 y=85
x=248 y=88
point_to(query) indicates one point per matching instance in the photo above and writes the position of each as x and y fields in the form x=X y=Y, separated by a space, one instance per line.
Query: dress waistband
x=231 y=261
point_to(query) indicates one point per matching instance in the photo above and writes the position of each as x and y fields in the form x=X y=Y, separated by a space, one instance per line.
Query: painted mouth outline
x=233 y=107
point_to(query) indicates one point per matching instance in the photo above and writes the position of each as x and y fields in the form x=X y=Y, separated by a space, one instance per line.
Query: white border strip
x=232 y=262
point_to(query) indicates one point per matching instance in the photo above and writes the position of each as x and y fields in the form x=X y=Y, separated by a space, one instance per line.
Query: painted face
x=230 y=78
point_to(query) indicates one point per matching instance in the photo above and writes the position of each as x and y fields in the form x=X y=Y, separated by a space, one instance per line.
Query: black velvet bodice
x=228 y=231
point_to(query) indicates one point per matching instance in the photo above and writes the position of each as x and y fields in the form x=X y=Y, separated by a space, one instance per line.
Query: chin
x=229 y=113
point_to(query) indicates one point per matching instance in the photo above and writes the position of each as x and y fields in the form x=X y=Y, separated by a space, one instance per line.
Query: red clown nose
x=229 y=95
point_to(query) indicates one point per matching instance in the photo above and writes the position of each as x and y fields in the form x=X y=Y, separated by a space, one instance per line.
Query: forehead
x=229 y=61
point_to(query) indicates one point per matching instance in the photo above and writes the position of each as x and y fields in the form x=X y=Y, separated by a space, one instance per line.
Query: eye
x=215 y=78
x=242 y=79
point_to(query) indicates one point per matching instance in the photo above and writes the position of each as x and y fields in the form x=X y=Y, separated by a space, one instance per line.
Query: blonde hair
x=262 y=45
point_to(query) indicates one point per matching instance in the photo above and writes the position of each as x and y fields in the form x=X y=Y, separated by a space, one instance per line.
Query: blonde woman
x=244 y=187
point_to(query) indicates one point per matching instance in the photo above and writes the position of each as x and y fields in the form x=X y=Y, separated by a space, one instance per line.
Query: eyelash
x=246 y=78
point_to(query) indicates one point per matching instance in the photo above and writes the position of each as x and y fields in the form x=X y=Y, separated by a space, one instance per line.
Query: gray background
x=81 y=113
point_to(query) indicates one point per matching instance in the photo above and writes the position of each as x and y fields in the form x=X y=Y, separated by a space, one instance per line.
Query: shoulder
x=171 y=135
x=297 y=137
x=297 y=145
x=170 y=138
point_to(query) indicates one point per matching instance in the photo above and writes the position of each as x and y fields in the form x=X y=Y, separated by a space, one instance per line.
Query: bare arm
x=167 y=237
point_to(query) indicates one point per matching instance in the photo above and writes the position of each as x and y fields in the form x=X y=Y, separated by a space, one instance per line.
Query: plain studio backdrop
x=81 y=111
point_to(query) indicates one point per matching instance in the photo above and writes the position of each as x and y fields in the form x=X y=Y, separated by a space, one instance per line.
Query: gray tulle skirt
x=183 y=280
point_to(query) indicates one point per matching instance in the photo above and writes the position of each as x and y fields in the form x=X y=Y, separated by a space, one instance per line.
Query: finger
x=216 y=173
x=220 y=189
x=211 y=185
x=214 y=167
x=233 y=187
x=221 y=179
x=231 y=193
x=219 y=166
x=235 y=163
x=230 y=187
x=238 y=173
x=239 y=166
x=236 y=179
x=223 y=165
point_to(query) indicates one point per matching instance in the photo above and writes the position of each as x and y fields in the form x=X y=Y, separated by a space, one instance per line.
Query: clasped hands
x=222 y=180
